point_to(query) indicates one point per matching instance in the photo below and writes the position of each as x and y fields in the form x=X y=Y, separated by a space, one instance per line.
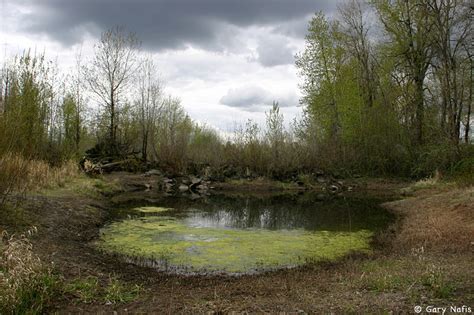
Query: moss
x=170 y=242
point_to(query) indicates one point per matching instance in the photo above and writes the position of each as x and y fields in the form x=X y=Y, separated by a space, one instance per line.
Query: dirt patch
x=436 y=221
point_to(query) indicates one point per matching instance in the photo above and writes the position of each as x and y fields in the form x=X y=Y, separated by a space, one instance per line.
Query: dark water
x=276 y=212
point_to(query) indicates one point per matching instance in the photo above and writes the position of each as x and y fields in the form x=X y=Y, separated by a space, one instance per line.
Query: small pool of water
x=235 y=235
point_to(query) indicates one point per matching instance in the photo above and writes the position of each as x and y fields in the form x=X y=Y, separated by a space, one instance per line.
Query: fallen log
x=98 y=168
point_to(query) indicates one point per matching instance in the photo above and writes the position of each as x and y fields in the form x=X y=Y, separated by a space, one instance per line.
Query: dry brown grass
x=436 y=222
x=27 y=284
x=19 y=174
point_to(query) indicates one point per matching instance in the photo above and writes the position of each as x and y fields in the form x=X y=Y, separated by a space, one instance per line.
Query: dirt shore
x=425 y=258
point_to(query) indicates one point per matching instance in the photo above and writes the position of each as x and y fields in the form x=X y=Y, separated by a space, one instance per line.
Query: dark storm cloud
x=254 y=98
x=165 y=24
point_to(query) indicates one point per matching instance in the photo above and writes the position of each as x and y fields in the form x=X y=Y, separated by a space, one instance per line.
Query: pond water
x=235 y=234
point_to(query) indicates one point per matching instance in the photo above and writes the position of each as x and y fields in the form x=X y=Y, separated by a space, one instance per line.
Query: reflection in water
x=282 y=212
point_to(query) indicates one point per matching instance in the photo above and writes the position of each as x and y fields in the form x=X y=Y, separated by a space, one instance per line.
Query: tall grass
x=19 y=174
x=27 y=284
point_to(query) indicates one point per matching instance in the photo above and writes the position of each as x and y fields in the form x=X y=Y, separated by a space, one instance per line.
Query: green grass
x=84 y=290
x=90 y=290
x=119 y=292
x=30 y=297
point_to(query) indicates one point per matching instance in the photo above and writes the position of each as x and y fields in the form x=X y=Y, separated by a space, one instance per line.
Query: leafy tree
x=319 y=66
x=407 y=24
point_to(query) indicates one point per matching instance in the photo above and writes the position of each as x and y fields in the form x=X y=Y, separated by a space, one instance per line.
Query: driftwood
x=111 y=166
x=98 y=168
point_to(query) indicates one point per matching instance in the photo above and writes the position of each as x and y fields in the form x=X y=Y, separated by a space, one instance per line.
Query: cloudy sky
x=226 y=59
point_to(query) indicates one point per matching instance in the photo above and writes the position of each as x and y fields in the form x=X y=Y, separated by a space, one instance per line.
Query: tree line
x=387 y=89
x=388 y=85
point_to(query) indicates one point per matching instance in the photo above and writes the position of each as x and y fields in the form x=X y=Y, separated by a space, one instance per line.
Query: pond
x=240 y=235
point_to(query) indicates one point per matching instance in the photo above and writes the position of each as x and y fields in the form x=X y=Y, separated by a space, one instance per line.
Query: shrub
x=463 y=171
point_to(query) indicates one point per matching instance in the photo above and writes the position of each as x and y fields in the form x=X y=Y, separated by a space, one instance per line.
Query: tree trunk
x=469 y=108
x=112 y=120
x=419 y=110
x=145 y=146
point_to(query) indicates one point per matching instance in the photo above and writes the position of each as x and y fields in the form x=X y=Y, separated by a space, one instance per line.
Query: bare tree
x=110 y=71
x=149 y=103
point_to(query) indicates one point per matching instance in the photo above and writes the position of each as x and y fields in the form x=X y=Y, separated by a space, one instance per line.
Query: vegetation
x=89 y=289
x=387 y=91
x=27 y=285
x=389 y=103
x=167 y=243
x=385 y=96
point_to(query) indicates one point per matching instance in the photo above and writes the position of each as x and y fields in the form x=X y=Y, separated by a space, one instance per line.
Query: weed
x=84 y=289
x=89 y=290
x=118 y=292
x=435 y=280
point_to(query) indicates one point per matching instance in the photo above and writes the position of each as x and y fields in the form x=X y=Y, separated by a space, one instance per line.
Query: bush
x=463 y=171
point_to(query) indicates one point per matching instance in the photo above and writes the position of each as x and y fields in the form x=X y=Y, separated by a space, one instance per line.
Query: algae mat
x=169 y=244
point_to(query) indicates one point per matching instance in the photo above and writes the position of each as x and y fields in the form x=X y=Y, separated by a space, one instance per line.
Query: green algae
x=169 y=242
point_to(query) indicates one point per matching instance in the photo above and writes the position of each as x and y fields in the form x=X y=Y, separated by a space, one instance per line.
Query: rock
x=152 y=172
x=167 y=180
x=202 y=187
x=334 y=189
x=194 y=196
x=195 y=180
x=183 y=188
x=321 y=179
